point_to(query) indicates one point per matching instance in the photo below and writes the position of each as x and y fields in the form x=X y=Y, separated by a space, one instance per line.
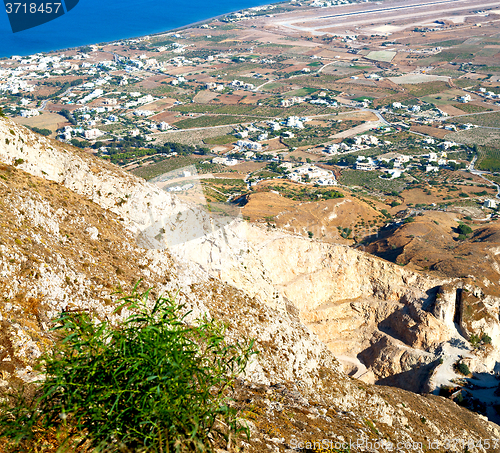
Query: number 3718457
x=32 y=8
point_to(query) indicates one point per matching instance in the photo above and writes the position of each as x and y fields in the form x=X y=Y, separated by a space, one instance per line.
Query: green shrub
x=463 y=369
x=153 y=383
x=464 y=229
x=485 y=338
x=45 y=132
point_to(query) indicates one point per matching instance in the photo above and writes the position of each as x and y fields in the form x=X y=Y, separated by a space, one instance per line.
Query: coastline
x=155 y=34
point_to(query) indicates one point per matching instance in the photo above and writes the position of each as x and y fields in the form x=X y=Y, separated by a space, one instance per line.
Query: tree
x=45 y=132
x=348 y=160
x=67 y=114
x=79 y=143
x=153 y=383
x=463 y=369
x=464 y=229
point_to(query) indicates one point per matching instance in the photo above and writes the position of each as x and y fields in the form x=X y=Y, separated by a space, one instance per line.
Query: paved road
x=481 y=175
x=471 y=114
x=381 y=16
x=324 y=66
x=171 y=131
x=265 y=83
x=44 y=103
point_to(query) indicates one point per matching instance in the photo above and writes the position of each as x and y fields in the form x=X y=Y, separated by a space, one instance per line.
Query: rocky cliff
x=75 y=228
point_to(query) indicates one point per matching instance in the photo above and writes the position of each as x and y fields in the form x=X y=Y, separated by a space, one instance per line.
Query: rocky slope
x=74 y=228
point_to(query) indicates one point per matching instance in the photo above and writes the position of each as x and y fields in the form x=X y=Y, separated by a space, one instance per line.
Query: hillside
x=432 y=243
x=75 y=228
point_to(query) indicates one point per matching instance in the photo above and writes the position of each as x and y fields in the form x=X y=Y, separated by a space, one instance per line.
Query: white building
x=274 y=126
x=332 y=149
x=240 y=84
x=29 y=113
x=92 y=134
x=225 y=161
x=313 y=173
x=365 y=163
x=295 y=121
x=447 y=145
x=249 y=144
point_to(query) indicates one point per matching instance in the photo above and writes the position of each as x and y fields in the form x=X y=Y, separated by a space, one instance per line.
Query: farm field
x=263 y=97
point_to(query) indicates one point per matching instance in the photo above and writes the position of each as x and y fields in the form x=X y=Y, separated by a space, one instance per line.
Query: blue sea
x=96 y=21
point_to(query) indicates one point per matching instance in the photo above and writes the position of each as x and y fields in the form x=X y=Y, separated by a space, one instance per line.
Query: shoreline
x=165 y=32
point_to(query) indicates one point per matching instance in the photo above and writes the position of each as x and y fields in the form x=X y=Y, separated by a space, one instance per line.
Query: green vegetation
x=305 y=91
x=45 y=132
x=220 y=140
x=371 y=181
x=489 y=158
x=463 y=369
x=162 y=166
x=80 y=143
x=458 y=53
x=448 y=43
x=218 y=189
x=471 y=108
x=306 y=193
x=133 y=148
x=486 y=119
x=477 y=341
x=67 y=114
x=155 y=382
x=363 y=98
x=214 y=120
x=426 y=88
x=344 y=232
x=63 y=87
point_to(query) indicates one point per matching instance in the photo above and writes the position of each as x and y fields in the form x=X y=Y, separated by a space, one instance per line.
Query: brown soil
x=432 y=131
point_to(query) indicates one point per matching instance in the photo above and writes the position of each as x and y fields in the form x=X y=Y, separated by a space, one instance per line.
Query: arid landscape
x=322 y=175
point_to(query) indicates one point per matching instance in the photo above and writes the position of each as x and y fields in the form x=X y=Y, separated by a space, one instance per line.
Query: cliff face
x=75 y=228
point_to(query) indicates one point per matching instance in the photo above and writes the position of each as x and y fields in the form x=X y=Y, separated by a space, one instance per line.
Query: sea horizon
x=88 y=23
